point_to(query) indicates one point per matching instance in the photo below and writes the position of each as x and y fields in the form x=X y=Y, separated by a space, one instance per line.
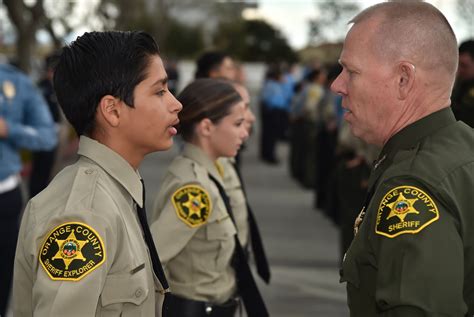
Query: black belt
x=182 y=307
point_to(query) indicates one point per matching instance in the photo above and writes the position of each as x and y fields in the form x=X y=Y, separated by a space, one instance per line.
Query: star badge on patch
x=405 y=209
x=192 y=205
x=71 y=251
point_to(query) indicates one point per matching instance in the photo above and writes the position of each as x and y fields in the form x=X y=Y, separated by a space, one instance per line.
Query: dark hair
x=467 y=47
x=313 y=74
x=205 y=98
x=274 y=72
x=98 y=64
x=51 y=60
x=208 y=62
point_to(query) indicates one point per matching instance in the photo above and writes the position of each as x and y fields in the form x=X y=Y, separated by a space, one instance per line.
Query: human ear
x=205 y=127
x=406 y=79
x=109 y=109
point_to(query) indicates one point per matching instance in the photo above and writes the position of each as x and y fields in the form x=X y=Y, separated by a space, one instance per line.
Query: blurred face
x=229 y=133
x=366 y=87
x=226 y=70
x=466 y=67
x=248 y=116
x=149 y=126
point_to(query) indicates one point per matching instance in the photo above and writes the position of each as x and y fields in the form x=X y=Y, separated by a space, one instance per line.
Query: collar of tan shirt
x=114 y=164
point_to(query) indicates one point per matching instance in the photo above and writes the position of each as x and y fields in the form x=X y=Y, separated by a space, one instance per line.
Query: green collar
x=410 y=135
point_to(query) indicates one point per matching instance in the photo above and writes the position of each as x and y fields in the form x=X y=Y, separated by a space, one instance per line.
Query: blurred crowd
x=296 y=106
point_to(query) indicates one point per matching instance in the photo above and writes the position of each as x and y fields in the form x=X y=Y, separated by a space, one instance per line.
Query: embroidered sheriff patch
x=405 y=209
x=71 y=251
x=192 y=205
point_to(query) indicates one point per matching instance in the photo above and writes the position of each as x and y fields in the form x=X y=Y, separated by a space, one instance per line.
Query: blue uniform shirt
x=28 y=120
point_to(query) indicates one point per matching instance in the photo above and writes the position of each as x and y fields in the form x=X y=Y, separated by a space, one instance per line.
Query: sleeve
x=37 y=131
x=419 y=251
x=61 y=266
x=183 y=209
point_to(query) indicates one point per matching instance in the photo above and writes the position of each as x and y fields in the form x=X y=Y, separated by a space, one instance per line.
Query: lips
x=173 y=127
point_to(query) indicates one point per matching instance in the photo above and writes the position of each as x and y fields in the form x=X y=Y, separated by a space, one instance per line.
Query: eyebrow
x=161 y=81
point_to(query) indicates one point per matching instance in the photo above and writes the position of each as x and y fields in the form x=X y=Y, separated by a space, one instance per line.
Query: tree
x=331 y=21
x=27 y=20
x=254 y=40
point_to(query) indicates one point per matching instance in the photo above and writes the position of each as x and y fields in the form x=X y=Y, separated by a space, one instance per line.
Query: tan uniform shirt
x=192 y=230
x=234 y=190
x=81 y=250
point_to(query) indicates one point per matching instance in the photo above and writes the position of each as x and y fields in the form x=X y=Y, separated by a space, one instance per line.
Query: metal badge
x=358 y=221
x=378 y=162
x=9 y=89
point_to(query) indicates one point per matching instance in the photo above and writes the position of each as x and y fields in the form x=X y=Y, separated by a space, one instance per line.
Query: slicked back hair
x=97 y=64
x=205 y=98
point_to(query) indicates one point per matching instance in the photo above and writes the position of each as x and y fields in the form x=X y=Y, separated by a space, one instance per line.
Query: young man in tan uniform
x=81 y=248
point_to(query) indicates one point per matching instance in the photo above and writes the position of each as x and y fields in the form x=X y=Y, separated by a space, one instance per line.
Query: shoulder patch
x=71 y=251
x=192 y=205
x=405 y=209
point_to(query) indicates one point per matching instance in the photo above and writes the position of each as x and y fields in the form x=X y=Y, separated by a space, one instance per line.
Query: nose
x=338 y=85
x=245 y=133
x=176 y=106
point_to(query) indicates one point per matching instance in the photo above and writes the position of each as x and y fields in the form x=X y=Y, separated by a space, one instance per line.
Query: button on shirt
x=99 y=192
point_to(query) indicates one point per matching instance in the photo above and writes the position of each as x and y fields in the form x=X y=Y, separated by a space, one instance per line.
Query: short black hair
x=208 y=62
x=467 y=47
x=98 y=64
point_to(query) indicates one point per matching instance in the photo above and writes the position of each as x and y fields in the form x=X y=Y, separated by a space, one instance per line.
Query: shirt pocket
x=124 y=293
x=221 y=233
x=350 y=272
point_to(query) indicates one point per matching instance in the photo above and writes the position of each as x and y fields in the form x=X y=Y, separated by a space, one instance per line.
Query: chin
x=164 y=146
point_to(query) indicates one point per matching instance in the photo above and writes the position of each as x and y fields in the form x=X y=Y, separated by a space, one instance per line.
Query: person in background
x=412 y=254
x=192 y=218
x=245 y=219
x=273 y=111
x=463 y=92
x=215 y=64
x=43 y=161
x=85 y=248
x=25 y=123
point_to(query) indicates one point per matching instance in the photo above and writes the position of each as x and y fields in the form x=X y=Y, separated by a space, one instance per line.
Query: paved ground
x=301 y=243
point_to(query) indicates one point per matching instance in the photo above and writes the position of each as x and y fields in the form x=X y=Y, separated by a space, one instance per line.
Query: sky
x=291 y=17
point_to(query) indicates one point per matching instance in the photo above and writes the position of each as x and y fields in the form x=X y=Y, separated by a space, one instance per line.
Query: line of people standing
x=86 y=245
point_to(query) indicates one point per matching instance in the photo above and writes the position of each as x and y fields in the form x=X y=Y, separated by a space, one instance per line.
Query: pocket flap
x=221 y=229
x=125 y=288
x=349 y=273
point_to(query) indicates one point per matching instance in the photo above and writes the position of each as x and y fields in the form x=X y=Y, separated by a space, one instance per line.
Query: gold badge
x=9 y=89
x=405 y=209
x=71 y=251
x=192 y=205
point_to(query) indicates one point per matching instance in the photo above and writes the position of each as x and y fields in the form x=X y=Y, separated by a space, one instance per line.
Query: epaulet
x=83 y=188
x=183 y=168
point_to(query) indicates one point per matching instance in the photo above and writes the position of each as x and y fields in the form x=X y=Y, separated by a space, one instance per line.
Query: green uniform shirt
x=80 y=250
x=414 y=252
x=193 y=231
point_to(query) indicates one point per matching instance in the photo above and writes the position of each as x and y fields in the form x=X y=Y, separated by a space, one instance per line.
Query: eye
x=161 y=93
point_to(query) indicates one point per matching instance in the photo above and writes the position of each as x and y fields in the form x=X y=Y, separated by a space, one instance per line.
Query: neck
x=418 y=106
x=133 y=156
x=206 y=148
